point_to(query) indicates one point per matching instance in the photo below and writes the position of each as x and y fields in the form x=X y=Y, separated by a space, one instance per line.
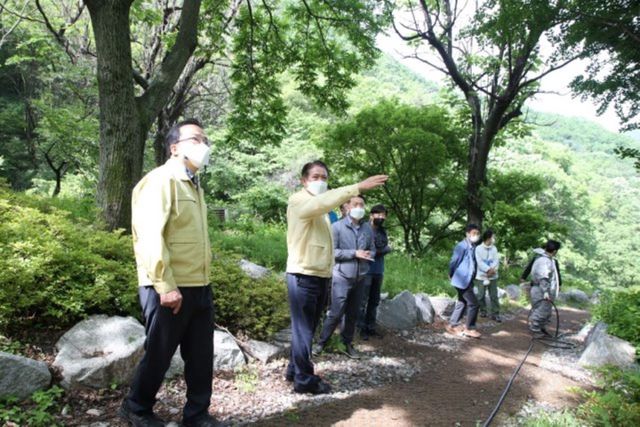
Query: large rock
x=252 y=270
x=20 y=376
x=400 y=312
x=426 y=313
x=576 y=295
x=443 y=306
x=502 y=293
x=265 y=352
x=513 y=292
x=100 y=351
x=226 y=353
x=604 y=349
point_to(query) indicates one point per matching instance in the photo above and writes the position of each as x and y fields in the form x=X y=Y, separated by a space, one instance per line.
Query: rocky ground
x=420 y=377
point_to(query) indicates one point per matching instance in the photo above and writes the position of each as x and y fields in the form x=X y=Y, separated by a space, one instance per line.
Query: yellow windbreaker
x=169 y=228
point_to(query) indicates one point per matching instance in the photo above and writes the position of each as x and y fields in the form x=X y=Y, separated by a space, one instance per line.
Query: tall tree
x=492 y=56
x=320 y=42
x=607 y=34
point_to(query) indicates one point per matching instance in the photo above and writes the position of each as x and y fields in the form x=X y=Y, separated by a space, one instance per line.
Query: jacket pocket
x=316 y=257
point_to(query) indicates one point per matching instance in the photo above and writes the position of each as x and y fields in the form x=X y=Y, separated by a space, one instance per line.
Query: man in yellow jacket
x=172 y=249
x=309 y=264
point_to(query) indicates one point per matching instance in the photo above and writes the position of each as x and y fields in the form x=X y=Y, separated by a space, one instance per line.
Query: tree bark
x=121 y=135
x=124 y=119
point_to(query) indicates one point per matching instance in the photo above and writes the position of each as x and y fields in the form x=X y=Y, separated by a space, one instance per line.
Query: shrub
x=243 y=304
x=618 y=404
x=55 y=269
x=620 y=310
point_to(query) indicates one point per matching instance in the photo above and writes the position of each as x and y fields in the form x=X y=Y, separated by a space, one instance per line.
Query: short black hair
x=378 y=209
x=470 y=227
x=173 y=134
x=359 y=196
x=307 y=167
x=552 y=245
x=487 y=235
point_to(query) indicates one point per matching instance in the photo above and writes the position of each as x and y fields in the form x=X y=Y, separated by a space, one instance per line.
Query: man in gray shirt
x=354 y=248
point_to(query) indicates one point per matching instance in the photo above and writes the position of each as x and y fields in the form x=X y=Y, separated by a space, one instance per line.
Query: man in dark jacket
x=373 y=279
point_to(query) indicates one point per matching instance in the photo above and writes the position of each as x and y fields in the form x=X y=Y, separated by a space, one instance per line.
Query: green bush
x=262 y=243
x=38 y=411
x=428 y=274
x=618 y=404
x=620 y=310
x=56 y=268
x=246 y=305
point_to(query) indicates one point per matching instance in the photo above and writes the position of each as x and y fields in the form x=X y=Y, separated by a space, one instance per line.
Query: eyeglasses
x=202 y=140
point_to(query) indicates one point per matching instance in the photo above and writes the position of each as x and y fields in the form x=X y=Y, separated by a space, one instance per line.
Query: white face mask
x=474 y=238
x=356 y=213
x=317 y=187
x=197 y=154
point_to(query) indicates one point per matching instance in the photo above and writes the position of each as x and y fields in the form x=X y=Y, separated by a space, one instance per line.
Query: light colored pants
x=541 y=312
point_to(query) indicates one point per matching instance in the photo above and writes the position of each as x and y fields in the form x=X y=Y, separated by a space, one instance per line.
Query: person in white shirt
x=488 y=262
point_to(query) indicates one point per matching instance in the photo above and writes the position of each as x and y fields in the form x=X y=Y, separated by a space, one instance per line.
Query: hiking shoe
x=202 y=421
x=496 y=318
x=471 y=333
x=351 y=352
x=320 y=388
x=138 y=420
x=317 y=349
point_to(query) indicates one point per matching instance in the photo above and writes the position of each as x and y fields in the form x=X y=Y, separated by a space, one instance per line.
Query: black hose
x=550 y=341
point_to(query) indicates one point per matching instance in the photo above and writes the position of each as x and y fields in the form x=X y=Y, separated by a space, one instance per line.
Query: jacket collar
x=178 y=168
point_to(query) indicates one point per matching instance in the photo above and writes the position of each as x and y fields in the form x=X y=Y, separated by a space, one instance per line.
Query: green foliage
x=39 y=411
x=56 y=269
x=606 y=33
x=427 y=274
x=262 y=243
x=422 y=151
x=617 y=404
x=620 y=310
x=242 y=304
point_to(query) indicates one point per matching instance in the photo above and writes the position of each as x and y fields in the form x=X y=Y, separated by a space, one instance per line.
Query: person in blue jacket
x=462 y=270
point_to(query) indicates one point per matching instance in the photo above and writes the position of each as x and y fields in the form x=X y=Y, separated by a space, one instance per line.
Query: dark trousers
x=370 y=302
x=467 y=302
x=307 y=295
x=346 y=298
x=192 y=329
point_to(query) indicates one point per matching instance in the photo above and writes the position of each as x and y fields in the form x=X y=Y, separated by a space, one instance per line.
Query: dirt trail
x=459 y=388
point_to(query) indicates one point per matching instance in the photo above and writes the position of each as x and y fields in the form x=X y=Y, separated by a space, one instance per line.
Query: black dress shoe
x=139 y=420
x=203 y=421
x=351 y=352
x=320 y=388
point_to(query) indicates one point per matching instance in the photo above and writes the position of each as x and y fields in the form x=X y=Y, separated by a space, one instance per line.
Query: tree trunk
x=121 y=134
x=159 y=148
x=58 y=186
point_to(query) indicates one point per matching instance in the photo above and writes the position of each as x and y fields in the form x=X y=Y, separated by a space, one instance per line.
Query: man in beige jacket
x=310 y=263
x=171 y=244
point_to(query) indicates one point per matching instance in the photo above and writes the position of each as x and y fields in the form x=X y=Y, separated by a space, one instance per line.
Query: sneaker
x=364 y=334
x=203 y=421
x=472 y=333
x=138 y=420
x=496 y=318
x=351 y=352
x=320 y=388
x=452 y=329
x=317 y=349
